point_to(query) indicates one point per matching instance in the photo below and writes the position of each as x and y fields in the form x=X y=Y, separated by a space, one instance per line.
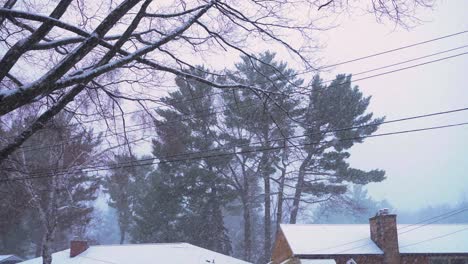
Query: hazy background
x=423 y=168
x=426 y=171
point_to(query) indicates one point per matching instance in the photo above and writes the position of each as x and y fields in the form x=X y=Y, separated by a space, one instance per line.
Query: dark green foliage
x=202 y=178
x=267 y=115
x=334 y=120
x=158 y=210
x=14 y=229
x=126 y=171
x=185 y=199
x=263 y=119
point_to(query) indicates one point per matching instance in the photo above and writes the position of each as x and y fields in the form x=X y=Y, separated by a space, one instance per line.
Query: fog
x=426 y=168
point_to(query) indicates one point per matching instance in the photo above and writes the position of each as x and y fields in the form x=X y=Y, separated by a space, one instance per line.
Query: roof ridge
x=323 y=224
x=421 y=224
x=144 y=244
x=440 y=224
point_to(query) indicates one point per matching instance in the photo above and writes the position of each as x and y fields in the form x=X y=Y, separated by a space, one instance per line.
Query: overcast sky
x=425 y=168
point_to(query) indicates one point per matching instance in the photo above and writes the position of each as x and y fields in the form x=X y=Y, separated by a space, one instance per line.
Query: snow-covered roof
x=174 y=253
x=9 y=257
x=452 y=238
x=355 y=239
x=318 y=261
x=329 y=239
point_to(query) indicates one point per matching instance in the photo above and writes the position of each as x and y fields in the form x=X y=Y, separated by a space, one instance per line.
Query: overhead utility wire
x=381 y=53
x=418 y=224
x=163 y=160
x=437 y=218
x=332 y=65
x=319 y=133
x=359 y=73
x=405 y=61
x=305 y=91
x=433 y=238
x=226 y=106
x=395 y=49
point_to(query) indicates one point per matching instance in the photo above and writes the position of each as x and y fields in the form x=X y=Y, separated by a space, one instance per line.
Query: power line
x=381 y=53
x=161 y=161
x=393 y=71
x=433 y=219
x=226 y=106
x=367 y=71
x=433 y=238
x=324 y=132
x=418 y=225
x=395 y=49
x=405 y=61
x=412 y=66
x=333 y=65
x=73 y=167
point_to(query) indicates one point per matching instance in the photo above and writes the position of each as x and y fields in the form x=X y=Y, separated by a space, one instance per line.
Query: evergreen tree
x=14 y=219
x=324 y=171
x=158 y=210
x=267 y=117
x=126 y=170
x=192 y=187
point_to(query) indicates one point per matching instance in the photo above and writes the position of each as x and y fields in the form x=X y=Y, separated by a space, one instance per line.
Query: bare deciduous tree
x=55 y=53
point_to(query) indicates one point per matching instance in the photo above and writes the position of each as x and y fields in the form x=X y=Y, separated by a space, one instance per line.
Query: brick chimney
x=77 y=247
x=383 y=229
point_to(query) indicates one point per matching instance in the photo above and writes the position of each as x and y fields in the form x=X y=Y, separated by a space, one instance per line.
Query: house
x=381 y=241
x=9 y=259
x=174 y=253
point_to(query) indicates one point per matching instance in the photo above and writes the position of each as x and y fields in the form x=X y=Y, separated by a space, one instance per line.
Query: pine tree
x=158 y=210
x=324 y=171
x=198 y=192
x=267 y=117
x=126 y=171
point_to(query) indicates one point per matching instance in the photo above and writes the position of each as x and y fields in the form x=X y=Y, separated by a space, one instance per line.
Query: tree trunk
x=47 y=244
x=298 y=192
x=38 y=250
x=264 y=165
x=267 y=201
x=247 y=223
x=279 y=212
x=122 y=235
x=267 y=207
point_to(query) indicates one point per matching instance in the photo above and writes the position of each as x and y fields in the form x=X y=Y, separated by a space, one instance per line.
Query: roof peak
x=145 y=244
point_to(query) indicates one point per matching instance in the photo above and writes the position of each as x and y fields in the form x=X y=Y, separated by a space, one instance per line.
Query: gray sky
x=425 y=168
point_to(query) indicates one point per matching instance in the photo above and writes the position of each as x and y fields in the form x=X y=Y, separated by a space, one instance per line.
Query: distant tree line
x=357 y=206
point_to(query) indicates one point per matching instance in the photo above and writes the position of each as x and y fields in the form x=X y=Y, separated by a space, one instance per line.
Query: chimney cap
x=383 y=211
